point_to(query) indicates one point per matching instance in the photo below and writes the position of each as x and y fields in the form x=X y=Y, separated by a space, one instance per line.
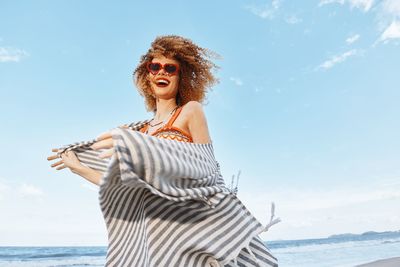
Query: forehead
x=163 y=60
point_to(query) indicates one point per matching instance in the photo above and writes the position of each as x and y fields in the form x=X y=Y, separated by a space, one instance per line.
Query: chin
x=163 y=89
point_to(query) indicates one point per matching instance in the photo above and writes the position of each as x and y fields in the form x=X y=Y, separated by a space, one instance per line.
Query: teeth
x=162 y=82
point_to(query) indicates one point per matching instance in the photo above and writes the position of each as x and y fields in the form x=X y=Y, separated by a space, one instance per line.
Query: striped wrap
x=165 y=203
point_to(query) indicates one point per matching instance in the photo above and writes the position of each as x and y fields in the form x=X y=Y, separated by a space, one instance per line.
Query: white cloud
x=3 y=189
x=272 y=10
x=10 y=54
x=352 y=38
x=387 y=16
x=293 y=19
x=389 y=21
x=391 y=32
x=29 y=190
x=365 y=5
x=338 y=59
x=391 y=7
x=314 y=200
x=268 y=11
x=326 y=2
x=362 y=4
x=321 y=211
x=236 y=80
x=11 y=191
x=322 y=199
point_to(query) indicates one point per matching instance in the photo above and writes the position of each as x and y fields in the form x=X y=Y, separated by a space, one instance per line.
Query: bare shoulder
x=193 y=108
x=197 y=122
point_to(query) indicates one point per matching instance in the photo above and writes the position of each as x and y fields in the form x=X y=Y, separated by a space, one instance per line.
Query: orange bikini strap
x=144 y=128
x=173 y=118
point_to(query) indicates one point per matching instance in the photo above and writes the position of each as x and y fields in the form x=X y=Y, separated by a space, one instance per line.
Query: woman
x=181 y=177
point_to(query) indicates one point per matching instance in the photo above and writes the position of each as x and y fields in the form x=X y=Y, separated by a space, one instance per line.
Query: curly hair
x=194 y=72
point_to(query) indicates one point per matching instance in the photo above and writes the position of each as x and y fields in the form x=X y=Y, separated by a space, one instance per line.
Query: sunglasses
x=155 y=67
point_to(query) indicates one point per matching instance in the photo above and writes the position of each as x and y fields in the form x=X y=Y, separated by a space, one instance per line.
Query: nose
x=161 y=72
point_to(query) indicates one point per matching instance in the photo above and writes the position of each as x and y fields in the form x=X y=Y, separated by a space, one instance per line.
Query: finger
x=103 y=136
x=61 y=167
x=56 y=156
x=107 y=143
x=107 y=154
x=57 y=163
x=53 y=157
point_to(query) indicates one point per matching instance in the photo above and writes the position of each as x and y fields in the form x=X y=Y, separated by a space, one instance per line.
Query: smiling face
x=163 y=84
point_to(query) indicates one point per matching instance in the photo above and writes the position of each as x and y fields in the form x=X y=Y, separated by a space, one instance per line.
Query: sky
x=306 y=108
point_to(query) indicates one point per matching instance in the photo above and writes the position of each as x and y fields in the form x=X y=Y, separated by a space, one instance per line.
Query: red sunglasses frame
x=162 y=67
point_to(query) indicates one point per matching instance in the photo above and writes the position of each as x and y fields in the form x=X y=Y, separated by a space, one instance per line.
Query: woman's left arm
x=197 y=123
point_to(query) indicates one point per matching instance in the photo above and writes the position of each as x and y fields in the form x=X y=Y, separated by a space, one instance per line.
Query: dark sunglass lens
x=170 y=68
x=154 y=66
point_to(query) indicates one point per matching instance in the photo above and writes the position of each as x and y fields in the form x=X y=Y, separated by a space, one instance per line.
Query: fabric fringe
x=272 y=221
x=233 y=189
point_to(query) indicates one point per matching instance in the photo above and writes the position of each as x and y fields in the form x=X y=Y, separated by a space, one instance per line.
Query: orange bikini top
x=171 y=132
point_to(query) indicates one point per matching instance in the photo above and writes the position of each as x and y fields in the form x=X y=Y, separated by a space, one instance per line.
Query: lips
x=162 y=82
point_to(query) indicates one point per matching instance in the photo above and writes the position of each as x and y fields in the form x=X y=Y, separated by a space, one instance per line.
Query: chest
x=176 y=128
x=181 y=122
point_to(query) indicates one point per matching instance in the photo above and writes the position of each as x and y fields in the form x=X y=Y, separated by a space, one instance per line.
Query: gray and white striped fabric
x=165 y=203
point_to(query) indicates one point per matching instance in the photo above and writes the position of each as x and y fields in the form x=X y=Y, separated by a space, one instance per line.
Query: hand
x=104 y=141
x=67 y=159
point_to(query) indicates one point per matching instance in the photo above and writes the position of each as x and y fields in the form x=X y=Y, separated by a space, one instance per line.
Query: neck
x=164 y=107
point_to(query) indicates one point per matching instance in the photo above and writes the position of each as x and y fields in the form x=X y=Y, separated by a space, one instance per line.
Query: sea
x=335 y=251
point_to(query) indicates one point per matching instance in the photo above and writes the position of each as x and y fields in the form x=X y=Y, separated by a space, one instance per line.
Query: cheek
x=176 y=79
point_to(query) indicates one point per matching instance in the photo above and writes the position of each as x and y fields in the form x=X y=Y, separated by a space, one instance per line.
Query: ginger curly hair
x=194 y=72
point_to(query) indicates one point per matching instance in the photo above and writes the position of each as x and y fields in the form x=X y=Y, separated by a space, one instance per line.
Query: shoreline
x=389 y=262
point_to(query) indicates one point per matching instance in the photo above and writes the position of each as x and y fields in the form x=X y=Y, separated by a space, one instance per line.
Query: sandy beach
x=391 y=262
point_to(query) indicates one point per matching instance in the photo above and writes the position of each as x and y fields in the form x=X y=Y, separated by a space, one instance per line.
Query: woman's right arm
x=70 y=160
x=89 y=174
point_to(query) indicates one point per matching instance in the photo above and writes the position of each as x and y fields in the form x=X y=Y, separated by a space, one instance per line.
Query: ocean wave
x=331 y=241
x=39 y=253
x=76 y=265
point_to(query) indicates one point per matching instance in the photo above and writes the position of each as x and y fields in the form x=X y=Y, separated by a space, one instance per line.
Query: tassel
x=237 y=181
x=233 y=189
x=231 y=186
x=272 y=221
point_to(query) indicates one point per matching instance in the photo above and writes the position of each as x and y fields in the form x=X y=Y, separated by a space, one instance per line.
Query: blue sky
x=306 y=108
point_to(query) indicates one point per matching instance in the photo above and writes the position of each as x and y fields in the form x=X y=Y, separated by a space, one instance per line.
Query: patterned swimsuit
x=171 y=132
